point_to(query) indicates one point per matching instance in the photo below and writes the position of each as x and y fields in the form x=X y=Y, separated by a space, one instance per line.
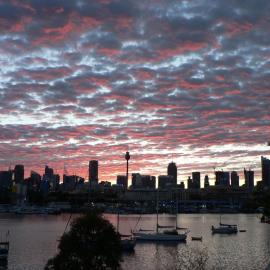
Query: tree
x=92 y=243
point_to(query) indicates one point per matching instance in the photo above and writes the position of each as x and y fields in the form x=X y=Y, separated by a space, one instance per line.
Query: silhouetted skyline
x=181 y=81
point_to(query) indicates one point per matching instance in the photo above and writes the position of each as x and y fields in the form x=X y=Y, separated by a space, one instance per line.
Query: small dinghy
x=196 y=238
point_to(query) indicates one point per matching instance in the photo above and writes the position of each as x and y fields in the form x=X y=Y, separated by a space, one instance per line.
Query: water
x=33 y=240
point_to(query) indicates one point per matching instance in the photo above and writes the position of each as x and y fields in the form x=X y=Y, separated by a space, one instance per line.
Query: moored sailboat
x=170 y=235
x=224 y=228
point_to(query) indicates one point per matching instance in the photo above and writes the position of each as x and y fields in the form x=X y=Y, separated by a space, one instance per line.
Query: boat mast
x=157 y=202
x=117 y=226
x=176 y=225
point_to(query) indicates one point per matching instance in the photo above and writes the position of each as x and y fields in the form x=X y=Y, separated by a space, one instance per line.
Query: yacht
x=171 y=235
x=225 y=229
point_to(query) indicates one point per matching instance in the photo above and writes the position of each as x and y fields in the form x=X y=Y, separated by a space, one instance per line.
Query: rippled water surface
x=33 y=240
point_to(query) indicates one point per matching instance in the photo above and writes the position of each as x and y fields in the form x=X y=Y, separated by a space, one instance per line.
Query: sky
x=166 y=80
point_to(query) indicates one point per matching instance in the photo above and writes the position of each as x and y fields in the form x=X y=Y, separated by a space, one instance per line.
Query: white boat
x=172 y=235
x=166 y=236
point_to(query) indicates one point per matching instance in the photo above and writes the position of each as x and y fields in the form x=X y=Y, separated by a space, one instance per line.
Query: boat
x=225 y=229
x=128 y=242
x=242 y=230
x=170 y=235
x=4 y=249
x=196 y=238
x=265 y=219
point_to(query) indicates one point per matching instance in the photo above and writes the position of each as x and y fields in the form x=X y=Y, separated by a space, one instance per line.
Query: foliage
x=92 y=243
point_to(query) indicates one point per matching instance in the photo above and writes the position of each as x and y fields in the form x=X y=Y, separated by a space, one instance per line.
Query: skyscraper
x=19 y=173
x=189 y=183
x=48 y=172
x=249 y=179
x=196 y=179
x=222 y=178
x=121 y=180
x=265 y=171
x=206 y=181
x=93 y=171
x=234 y=179
x=172 y=170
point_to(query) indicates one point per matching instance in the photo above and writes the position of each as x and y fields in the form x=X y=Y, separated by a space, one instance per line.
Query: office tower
x=5 y=180
x=222 y=178
x=34 y=180
x=48 y=172
x=249 y=178
x=206 y=181
x=70 y=182
x=172 y=170
x=190 y=183
x=144 y=181
x=182 y=185
x=265 y=171
x=165 y=181
x=148 y=181
x=93 y=171
x=121 y=180
x=234 y=179
x=196 y=179
x=19 y=174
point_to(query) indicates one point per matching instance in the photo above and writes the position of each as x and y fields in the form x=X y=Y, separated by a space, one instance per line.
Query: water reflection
x=34 y=239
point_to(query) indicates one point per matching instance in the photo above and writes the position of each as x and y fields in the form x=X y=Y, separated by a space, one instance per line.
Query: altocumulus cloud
x=90 y=79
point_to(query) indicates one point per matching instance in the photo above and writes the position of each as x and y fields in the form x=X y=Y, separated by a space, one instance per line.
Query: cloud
x=90 y=79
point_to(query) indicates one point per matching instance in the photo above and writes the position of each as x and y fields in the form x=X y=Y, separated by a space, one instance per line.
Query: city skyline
x=182 y=81
x=232 y=178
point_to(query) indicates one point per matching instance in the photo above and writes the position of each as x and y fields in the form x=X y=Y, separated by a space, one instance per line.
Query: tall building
x=189 y=183
x=182 y=185
x=121 y=180
x=93 y=171
x=249 y=179
x=234 y=179
x=222 y=178
x=265 y=171
x=19 y=173
x=165 y=181
x=48 y=172
x=172 y=170
x=5 y=179
x=196 y=179
x=144 y=181
x=206 y=181
x=34 y=180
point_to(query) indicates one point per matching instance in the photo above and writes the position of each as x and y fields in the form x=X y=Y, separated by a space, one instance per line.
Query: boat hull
x=3 y=254
x=160 y=237
x=128 y=244
x=224 y=230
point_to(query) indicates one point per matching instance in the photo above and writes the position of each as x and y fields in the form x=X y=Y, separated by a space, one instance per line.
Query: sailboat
x=128 y=242
x=224 y=228
x=166 y=235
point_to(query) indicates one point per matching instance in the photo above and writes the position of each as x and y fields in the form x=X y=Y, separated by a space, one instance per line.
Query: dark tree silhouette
x=92 y=243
